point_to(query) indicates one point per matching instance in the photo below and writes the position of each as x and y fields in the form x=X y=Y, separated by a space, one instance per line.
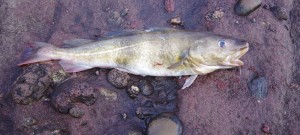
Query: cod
x=151 y=52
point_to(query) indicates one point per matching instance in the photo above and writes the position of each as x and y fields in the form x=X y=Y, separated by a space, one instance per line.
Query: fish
x=150 y=52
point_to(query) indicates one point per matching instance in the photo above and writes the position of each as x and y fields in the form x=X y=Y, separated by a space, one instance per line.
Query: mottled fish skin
x=154 y=52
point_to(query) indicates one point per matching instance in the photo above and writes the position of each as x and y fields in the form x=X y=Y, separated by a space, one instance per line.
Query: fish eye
x=222 y=43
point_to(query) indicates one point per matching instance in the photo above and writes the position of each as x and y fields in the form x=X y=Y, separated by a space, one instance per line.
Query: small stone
x=236 y=22
x=29 y=122
x=97 y=73
x=124 y=12
x=133 y=91
x=83 y=92
x=176 y=21
x=218 y=14
x=266 y=129
x=245 y=7
x=253 y=20
x=118 y=78
x=76 y=112
x=259 y=87
x=146 y=87
x=279 y=12
x=124 y=116
x=108 y=94
x=170 y=5
x=164 y=124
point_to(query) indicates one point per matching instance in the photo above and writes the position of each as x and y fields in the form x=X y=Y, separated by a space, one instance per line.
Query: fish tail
x=39 y=53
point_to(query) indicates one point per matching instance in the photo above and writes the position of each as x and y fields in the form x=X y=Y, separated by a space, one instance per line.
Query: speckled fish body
x=154 y=52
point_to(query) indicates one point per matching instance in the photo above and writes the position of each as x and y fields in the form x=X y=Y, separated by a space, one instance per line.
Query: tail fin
x=38 y=53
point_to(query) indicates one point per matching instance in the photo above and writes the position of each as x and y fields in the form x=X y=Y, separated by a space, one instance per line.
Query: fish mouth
x=234 y=59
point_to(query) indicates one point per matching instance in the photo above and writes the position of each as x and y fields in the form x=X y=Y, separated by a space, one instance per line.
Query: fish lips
x=234 y=59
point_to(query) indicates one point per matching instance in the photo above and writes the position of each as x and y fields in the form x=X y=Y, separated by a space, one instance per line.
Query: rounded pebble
x=133 y=91
x=76 y=112
x=245 y=7
x=164 y=124
x=118 y=78
x=279 y=13
x=146 y=87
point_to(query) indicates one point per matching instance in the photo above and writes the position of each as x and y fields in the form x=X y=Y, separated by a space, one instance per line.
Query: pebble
x=253 y=20
x=29 y=122
x=245 y=7
x=31 y=85
x=170 y=5
x=266 y=129
x=176 y=21
x=118 y=78
x=279 y=12
x=259 y=87
x=133 y=91
x=164 y=124
x=59 y=76
x=124 y=12
x=146 y=87
x=108 y=94
x=76 y=112
x=218 y=14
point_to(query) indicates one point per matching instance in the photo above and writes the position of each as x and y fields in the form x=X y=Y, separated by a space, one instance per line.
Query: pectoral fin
x=189 y=81
x=70 y=67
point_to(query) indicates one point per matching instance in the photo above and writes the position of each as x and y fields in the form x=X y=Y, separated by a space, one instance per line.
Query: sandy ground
x=218 y=103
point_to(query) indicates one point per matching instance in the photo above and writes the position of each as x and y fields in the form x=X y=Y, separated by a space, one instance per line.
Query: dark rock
x=76 y=112
x=124 y=12
x=259 y=87
x=143 y=112
x=59 y=76
x=163 y=124
x=31 y=85
x=146 y=87
x=245 y=7
x=133 y=91
x=279 y=12
x=118 y=78
x=61 y=102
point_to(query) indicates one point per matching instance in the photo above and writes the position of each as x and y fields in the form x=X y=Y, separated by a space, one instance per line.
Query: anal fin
x=189 y=81
x=70 y=67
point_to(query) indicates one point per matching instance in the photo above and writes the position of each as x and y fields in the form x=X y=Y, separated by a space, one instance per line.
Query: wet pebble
x=32 y=84
x=133 y=91
x=118 y=78
x=218 y=14
x=245 y=7
x=76 y=112
x=164 y=124
x=253 y=20
x=146 y=87
x=61 y=102
x=259 y=87
x=279 y=12
x=59 y=76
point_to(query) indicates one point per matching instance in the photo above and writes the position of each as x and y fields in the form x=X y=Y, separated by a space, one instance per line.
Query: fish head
x=216 y=50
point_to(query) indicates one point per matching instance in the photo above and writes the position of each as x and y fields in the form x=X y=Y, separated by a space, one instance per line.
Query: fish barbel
x=152 y=52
